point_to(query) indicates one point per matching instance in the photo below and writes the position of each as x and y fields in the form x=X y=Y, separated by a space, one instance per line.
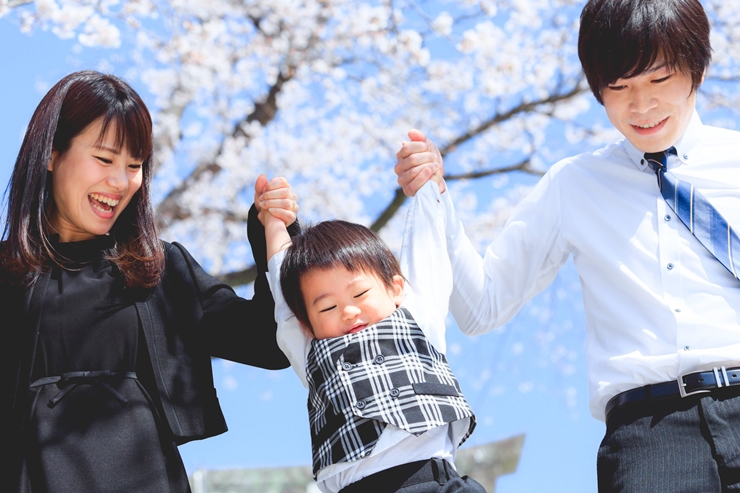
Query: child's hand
x=267 y=218
x=437 y=178
x=277 y=197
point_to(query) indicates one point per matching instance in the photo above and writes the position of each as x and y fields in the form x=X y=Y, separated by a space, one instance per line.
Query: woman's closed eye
x=104 y=160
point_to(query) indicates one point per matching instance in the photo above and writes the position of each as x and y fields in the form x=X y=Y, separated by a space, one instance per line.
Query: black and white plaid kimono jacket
x=388 y=373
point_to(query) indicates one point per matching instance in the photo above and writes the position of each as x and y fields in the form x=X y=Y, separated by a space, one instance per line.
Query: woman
x=108 y=331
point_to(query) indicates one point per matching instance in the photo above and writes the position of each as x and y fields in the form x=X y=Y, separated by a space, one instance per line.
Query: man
x=661 y=310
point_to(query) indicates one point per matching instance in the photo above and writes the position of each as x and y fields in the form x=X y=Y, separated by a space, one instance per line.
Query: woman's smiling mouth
x=104 y=205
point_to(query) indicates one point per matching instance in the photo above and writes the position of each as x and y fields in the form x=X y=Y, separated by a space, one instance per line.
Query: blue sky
x=529 y=378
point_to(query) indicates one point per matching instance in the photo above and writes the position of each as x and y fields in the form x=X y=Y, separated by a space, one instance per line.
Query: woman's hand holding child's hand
x=277 y=197
x=277 y=207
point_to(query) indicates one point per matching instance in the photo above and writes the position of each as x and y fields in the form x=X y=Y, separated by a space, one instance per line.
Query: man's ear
x=54 y=156
x=396 y=289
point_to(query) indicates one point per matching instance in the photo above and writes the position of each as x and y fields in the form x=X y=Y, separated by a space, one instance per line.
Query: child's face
x=341 y=302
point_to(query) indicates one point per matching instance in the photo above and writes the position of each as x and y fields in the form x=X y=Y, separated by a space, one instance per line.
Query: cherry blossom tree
x=324 y=91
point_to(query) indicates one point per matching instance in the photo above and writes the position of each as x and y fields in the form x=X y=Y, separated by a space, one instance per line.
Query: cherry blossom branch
x=170 y=209
x=248 y=275
x=399 y=198
x=524 y=107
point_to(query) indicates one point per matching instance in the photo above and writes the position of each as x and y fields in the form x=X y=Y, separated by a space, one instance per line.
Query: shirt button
x=395 y=392
x=346 y=366
x=360 y=404
x=642 y=161
x=685 y=156
x=669 y=266
x=678 y=310
x=379 y=359
x=666 y=217
x=686 y=348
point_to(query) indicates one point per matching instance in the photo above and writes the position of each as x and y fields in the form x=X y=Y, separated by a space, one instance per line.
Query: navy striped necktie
x=695 y=211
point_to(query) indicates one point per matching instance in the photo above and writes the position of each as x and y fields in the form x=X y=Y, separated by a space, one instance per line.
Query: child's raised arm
x=276 y=234
x=277 y=207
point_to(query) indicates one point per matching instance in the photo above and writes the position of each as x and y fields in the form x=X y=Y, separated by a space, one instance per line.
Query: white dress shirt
x=657 y=303
x=427 y=294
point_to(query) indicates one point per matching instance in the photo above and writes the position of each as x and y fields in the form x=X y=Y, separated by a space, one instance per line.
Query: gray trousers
x=689 y=445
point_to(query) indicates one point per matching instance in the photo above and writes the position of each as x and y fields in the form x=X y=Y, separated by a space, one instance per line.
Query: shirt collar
x=684 y=147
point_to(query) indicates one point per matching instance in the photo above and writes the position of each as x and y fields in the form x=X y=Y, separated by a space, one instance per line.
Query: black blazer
x=187 y=318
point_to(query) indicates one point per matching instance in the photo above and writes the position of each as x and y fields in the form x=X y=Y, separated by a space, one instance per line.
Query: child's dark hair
x=331 y=244
x=620 y=39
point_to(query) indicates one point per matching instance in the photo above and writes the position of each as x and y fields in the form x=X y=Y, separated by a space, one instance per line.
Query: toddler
x=386 y=413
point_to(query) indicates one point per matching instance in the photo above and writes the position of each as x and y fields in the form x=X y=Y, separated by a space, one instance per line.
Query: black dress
x=91 y=425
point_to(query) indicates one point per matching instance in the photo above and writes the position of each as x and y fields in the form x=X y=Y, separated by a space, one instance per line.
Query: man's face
x=653 y=109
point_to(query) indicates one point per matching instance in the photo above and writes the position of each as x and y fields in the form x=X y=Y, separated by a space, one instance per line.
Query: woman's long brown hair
x=67 y=110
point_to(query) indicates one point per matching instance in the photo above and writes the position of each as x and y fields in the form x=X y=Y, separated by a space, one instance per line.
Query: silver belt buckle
x=719 y=374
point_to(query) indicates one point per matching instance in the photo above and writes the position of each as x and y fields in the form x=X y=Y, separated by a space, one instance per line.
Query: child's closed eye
x=363 y=293
x=327 y=309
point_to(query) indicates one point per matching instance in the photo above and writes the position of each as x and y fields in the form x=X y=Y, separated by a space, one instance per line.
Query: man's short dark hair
x=620 y=39
x=328 y=245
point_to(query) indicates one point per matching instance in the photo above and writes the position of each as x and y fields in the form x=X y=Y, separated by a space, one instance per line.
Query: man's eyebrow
x=655 y=68
x=650 y=70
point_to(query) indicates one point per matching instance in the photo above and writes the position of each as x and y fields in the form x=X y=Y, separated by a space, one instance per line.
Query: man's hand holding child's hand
x=418 y=162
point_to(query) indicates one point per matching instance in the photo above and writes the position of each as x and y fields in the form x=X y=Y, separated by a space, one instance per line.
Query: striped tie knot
x=658 y=162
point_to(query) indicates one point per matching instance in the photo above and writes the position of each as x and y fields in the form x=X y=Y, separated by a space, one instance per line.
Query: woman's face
x=92 y=183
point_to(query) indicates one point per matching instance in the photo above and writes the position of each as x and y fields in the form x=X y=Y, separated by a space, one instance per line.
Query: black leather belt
x=688 y=384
